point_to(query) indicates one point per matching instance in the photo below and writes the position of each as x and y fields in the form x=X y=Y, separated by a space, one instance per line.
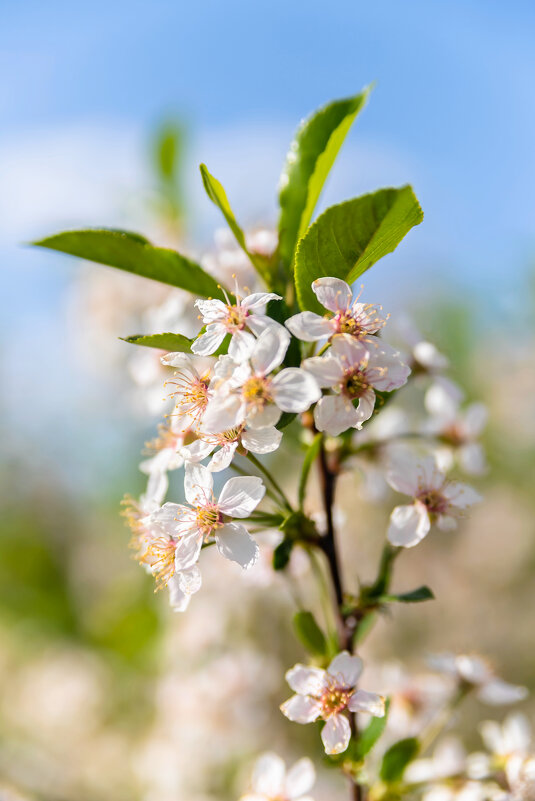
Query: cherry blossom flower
x=191 y=381
x=328 y=694
x=436 y=499
x=458 y=430
x=272 y=782
x=221 y=319
x=475 y=672
x=259 y=440
x=165 y=449
x=206 y=519
x=247 y=392
x=353 y=369
x=354 y=318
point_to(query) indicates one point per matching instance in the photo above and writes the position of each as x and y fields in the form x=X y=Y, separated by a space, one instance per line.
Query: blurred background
x=107 y=110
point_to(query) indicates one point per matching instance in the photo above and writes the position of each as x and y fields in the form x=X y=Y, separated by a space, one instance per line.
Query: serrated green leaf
x=414 y=596
x=169 y=342
x=369 y=736
x=309 y=633
x=397 y=758
x=349 y=238
x=310 y=455
x=135 y=254
x=310 y=158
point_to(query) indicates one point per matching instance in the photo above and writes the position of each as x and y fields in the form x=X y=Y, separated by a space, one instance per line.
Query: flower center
x=347 y=324
x=235 y=319
x=230 y=435
x=256 y=391
x=434 y=500
x=209 y=518
x=167 y=438
x=191 y=395
x=334 y=699
x=355 y=383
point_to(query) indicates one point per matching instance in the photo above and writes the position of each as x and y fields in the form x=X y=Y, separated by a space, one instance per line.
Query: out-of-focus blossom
x=474 y=671
x=272 y=782
x=256 y=440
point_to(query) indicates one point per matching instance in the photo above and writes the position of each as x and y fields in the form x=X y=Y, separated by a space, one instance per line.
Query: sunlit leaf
x=169 y=342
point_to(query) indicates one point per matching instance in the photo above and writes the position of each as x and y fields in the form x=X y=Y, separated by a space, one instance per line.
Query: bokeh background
x=105 y=693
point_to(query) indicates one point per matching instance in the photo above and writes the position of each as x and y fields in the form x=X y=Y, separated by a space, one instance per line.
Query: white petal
x=461 y=495
x=475 y=419
x=306 y=680
x=365 y=407
x=403 y=473
x=299 y=779
x=178 y=599
x=241 y=495
x=408 y=525
x=180 y=360
x=235 y=543
x=349 y=350
x=241 y=346
x=333 y=293
x=223 y=457
x=197 y=451
x=301 y=709
x=336 y=734
x=294 y=390
x=363 y=701
x=472 y=459
x=327 y=370
x=446 y=523
x=346 y=669
x=429 y=356
x=261 y=418
x=498 y=692
x=187 y=550
x=261 y=440
x=198 y=484
x=387 y=369
x=223 y=412
x=258 y=323
x=443 y=398
x=209 y=342
x=269 y=350
x=335 y=414
x=157 y=486
x=211 y=310
x=268 y=776
x=309 y=327
x=189 y=581
x=258 y=299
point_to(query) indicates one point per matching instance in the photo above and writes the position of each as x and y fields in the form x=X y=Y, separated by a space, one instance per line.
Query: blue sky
x=452 y=113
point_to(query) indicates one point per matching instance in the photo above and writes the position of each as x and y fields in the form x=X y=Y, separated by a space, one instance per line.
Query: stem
x=259 y=466
x=242 y=472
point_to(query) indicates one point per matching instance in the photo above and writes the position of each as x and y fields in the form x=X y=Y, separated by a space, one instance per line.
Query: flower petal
x=335 y=414
x=235 y=543
x=211 y=310
x=365 y=407
x=269 y=350
x=301 y=709
x=336 y=734
x=197 y=451
x=241 y=495
x=294 y=390
x=299 y=779
x=333 y=293
x=178 y=600
x=198 y=484
x=408 y=525
x=269 y=415
x=346 y=669
x=309 y=327
x=258 y=300
x=261 y=440
x=241 y=346
x=306 y=680
x=364 y=701
x=209 y=342
x=327 y=370
x=498 y=692
x=268 y=776
x=187 y=550
x=460 y=495
x=223 y=457
x=222 y=412
x=349 y=350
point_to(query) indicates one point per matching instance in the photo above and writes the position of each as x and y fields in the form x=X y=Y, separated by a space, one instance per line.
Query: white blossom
x=347 y=316
x=436 y=499
x=256 y=440
x=353 y=369
x=190 y=383
x=458 y=430
x=476 y=672
x=329 y=694
x=271 y=781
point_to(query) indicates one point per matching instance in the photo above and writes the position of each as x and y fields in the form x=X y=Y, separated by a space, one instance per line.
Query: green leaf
x=309 y=633
x=168 y=149
x=135 y=254
x=349 y=238
x=310 y=158
x=282 y=553
x=412 y=597
x=397 y=758
x=369 y=736
x=285 y=420
x=310 y=455
x=169 y=342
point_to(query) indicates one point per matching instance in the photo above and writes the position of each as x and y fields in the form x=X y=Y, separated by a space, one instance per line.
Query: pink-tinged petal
x=258 y=300
x=261 y=418
x=336 y=734
x=365 y=407
x=235 y=543
x=443 y=397
x=294 y=390
x=269 y=350
x=386 y=369
x=301 y=709
x=327 y=370
x=333 y=293
x=299 y=779
x=223 y=457
x=212 y=310
x=460 y=495
x=197 y=451
x=430 y=475
x=241 y=346
x=309 y=327
x=187 y=550
x=346 y=669
x=209 y=342
x=364 y=701
x=500 y=693
x=198 y=484
x=268 y=776
x=306 y=680
x=403 y=473
x=223 y=412
x=408 y=525
x=349 y=350
x=261 y=440
x=241 y=495
x=335 y=414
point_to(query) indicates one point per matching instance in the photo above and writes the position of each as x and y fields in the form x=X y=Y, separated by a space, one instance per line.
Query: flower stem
x=259 y=466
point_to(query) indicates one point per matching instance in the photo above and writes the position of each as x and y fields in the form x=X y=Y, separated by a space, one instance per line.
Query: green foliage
x=349 y=238
x=370 y=735
x=308 y=461
x=412 y=597
x=397 y=758
x=282 y=553
x=135 y=254
x=310 y=158
x=168 y=342
x=168 y=149
x=309 y=633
